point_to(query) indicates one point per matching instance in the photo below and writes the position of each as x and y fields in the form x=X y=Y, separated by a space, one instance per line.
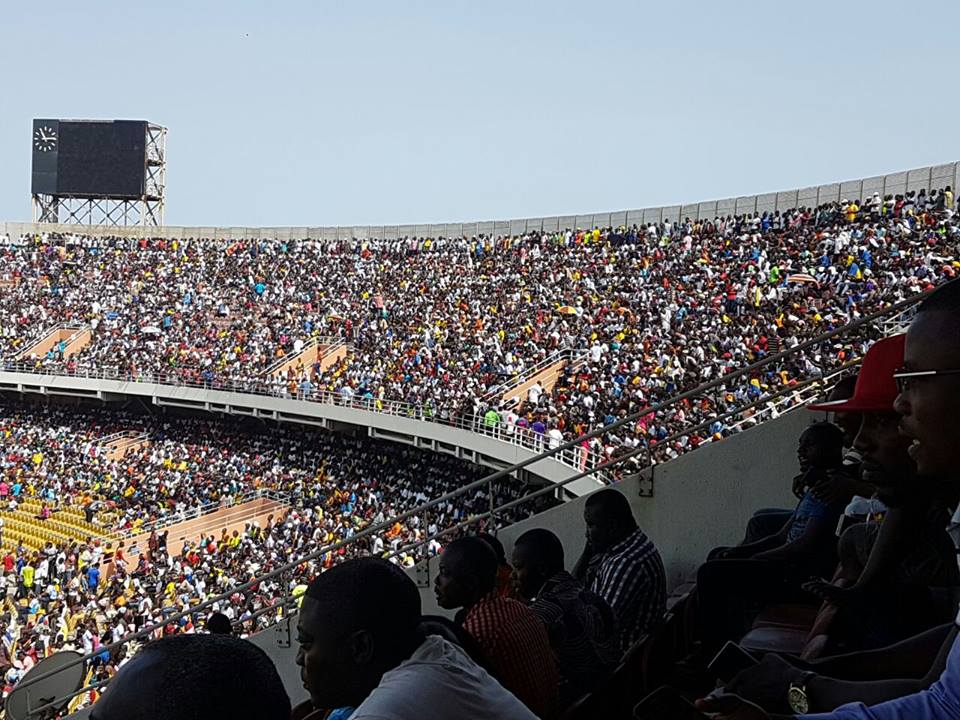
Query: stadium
x=211 y=438
x=285 y=435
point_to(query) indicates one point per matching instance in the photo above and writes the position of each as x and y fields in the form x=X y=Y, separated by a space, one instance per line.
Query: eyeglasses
x=903 y=376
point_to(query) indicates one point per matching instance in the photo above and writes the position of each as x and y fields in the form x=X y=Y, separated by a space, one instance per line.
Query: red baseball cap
x=876 y=389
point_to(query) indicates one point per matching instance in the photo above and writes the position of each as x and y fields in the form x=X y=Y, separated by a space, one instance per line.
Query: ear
x=361 y=646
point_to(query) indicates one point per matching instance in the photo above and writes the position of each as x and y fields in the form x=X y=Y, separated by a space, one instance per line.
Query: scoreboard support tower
x=146 y=210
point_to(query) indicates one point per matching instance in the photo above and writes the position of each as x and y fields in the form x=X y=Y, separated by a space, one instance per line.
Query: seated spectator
x=734 y=585
x=580 y=624
x=219 y=624
x=622 y=565
x=767 y=521
x=929 y=386
x=360 y=646
x=195 y=676
x=505 y=586
x=513 y=640
x=887 y=566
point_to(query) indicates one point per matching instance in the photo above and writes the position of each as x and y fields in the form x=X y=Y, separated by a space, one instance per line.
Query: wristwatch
x=797 y=695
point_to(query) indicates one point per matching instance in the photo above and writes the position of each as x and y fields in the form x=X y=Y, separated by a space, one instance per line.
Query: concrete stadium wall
x=934 y=176
x=467 y=445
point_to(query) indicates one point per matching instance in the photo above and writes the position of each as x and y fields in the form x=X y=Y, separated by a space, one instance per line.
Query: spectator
x=887 y=566
x=580 y=624
x=737 y=580
x=505 y=586
x=196 y=676
x=768 y=521
x=219 y=624
x=360 y=647
x=513 y=640
x=622 y=565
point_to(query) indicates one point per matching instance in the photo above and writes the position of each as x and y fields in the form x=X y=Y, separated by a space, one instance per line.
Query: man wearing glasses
x=929 y=405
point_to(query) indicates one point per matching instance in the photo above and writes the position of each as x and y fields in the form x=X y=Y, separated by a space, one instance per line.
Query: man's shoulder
x=440 y=676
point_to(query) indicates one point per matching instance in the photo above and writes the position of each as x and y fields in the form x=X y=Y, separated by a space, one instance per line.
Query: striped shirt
x=631 y=578
x=515 y=644
x=582 y=632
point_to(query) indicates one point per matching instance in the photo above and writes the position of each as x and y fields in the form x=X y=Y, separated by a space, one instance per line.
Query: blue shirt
x=808 y=509
x=941 y=701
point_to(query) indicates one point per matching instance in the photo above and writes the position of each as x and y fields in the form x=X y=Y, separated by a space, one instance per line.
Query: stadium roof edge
x=932 y=176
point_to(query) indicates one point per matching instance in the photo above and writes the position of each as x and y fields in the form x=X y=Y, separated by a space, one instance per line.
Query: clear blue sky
x=323 y=113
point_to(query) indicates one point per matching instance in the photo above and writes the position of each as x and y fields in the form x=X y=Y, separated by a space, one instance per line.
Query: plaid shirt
x=631 y=578
x=582 y=631
x=514 y=641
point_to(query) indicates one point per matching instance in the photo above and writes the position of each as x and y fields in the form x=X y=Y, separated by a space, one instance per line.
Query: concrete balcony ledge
x=461 y=442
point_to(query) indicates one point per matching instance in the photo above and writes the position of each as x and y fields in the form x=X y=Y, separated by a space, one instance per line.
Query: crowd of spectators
x=442 y=323
x=92 y=591
x=439 y=324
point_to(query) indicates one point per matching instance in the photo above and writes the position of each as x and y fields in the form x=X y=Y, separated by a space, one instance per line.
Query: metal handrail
x=334 y=341
x=202 y=510
x=77 y=327
x=488 y=480
x=527 y=373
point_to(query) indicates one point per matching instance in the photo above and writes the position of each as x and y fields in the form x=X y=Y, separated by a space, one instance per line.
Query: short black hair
x=372 y=594
x=612 y=505
x=945 y=298
x=545 y=545
x=211 y=676
x=844 y=388
x=496 y=546
x=827 y=433
x=219 y=624
x=475 y=557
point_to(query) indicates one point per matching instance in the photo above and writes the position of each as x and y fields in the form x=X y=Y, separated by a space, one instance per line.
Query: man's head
x=357 y=621
x=930 y=403
x=820 y=447
x=886 y=463
x=467 y=572
x=219 y=624
x=608 y=518
x=195 y=676
x=537 y=556
x=496 y=546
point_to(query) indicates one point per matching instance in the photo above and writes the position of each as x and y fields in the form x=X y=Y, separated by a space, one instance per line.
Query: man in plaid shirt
x=622 y=565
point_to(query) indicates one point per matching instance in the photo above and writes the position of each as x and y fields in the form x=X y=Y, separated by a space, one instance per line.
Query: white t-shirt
x=441 y=682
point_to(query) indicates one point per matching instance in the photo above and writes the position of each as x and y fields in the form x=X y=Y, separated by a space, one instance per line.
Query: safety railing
x=77 y=328
x=500 y=390
x=202 y=510
x=333 y=342
x=287 y=572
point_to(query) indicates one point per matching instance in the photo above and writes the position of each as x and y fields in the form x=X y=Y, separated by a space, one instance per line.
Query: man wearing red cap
x=908 y=549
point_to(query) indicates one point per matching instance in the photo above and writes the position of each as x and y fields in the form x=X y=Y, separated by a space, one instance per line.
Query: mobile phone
x=729 y=661
x=665 y=703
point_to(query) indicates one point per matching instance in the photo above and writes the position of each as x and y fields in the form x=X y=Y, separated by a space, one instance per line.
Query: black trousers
x=731 y=593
